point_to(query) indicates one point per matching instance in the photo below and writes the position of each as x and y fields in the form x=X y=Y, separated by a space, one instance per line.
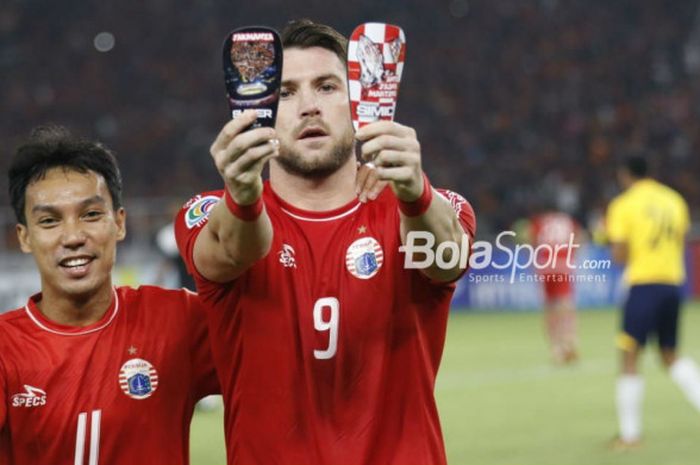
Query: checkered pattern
x=378 y=100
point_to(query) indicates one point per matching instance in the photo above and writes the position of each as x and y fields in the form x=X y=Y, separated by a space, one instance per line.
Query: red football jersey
x=120 y=391
x=554 y=230
x=327 y=349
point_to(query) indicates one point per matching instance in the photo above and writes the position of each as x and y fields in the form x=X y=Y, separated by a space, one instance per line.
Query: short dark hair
x=304 y=33
x=53 y=146
x=636 y=165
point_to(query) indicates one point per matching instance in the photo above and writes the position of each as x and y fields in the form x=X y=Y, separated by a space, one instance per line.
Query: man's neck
x=323 y=194
x=637 y=181
x=76 y=311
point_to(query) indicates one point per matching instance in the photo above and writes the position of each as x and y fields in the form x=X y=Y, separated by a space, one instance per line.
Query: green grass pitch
x=501 y=401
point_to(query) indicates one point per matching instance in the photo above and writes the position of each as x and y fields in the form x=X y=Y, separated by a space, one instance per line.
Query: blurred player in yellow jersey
x=646 y=226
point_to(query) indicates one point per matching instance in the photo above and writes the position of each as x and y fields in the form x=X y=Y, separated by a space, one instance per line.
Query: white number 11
x=330 y=325
x=94 y=454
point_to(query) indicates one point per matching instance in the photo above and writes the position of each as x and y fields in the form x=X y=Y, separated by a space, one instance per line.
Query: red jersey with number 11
x=118 y=392
x=327 y=348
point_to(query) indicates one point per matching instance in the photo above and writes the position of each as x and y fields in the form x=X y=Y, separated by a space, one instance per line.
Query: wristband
x=421 y=204
x=243 y=212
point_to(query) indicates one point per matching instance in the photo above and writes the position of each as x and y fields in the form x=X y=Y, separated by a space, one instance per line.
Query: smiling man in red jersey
x=91 y=373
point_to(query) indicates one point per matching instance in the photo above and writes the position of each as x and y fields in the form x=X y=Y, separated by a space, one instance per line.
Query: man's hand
x=395 y=152
x=229 y=245
x=368 y=186
x=240 y=156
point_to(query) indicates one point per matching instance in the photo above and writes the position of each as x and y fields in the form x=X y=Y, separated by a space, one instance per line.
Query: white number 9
x=331 y=325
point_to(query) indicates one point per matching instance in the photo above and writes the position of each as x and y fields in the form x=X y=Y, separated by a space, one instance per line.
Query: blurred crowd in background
x=514 y=101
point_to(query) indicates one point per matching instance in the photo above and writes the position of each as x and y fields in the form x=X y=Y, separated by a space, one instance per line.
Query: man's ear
x=23 y=237
x=120 y=219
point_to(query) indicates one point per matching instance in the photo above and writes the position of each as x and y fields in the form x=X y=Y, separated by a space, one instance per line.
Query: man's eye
x=328 y=87
x=47 y=221
x=284 y=93
x=93 y=214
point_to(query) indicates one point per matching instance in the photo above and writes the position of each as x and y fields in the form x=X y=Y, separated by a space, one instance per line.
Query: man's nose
x=73 y=235
x=308 y=105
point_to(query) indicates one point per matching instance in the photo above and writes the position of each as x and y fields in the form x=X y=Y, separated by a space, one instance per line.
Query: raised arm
x=239 y=231
x=395 y=151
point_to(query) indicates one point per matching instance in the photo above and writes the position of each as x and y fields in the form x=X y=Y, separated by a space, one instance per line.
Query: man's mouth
x=312 y=132
x=76 y=266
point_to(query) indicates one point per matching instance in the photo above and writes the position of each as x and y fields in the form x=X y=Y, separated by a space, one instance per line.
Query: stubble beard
x=293 y=162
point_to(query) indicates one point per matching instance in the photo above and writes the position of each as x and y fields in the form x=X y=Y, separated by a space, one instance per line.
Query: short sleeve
x=190 y=221
x=616 y=224
x=463 y=209
x=205 y=380
x=467 y=219
x=188 y=224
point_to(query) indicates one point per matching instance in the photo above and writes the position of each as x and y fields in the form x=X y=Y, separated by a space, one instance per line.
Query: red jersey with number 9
x=327 y=349
x=120 y=391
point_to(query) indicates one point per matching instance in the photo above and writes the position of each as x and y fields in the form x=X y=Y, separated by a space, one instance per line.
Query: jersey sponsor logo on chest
x=138 y=379
x=364 y=258
x=32 y=397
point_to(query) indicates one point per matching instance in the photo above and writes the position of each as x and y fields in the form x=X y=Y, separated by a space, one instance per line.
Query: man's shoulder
x=640 y=193
x=11 y=315
x=156 y=298
x=11 y=322
x=147 y=291
x=620 y=201
x=157 y=307
x=674 y=195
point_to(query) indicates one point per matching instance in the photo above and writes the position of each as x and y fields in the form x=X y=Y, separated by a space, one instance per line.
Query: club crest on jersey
x=31 y=397
x=364 y=258
x=199 y=210
x=138 y=379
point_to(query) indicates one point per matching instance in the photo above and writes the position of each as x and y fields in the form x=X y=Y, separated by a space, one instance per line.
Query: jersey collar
x=317 y=216
x=65 y=330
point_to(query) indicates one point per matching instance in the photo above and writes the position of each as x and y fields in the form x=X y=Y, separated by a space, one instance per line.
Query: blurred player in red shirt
x=326 y=343
x=90 y=373
x=550 y=232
